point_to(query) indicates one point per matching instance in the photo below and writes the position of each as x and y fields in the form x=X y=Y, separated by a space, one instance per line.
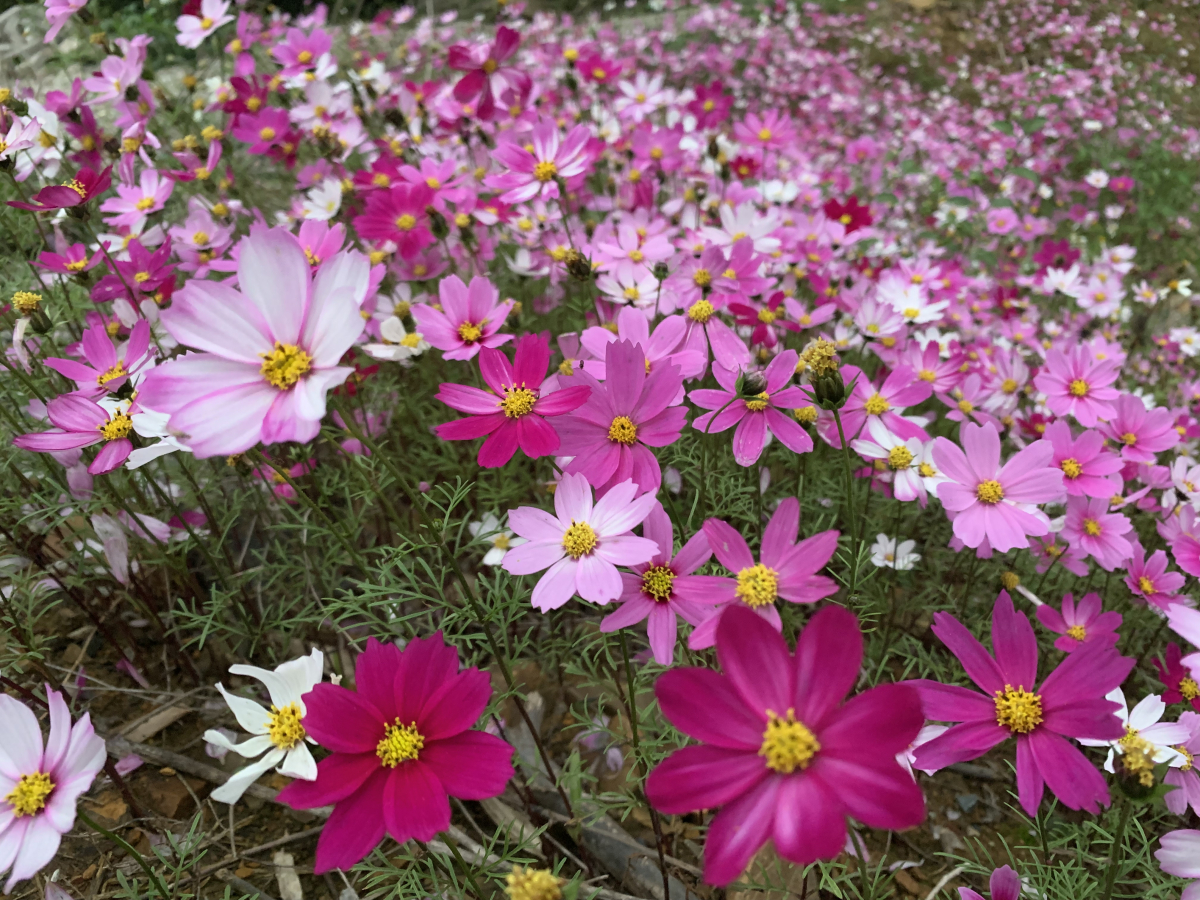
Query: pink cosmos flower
x=1002 y=220
x=1077 y=385
x=1185 y=777
x=269 y=351
x=263 y=131
x=610 y=435
x=398 y=215
x=581 y=544
x=80 y=422
x=534 y=173
x=468 y=320
x=899 y=390
x=69 y=260
x=1179 y=855
x=1004 y=884
x=772 y=130
x=514 y=412
x=41 y=784
x=1069 y=704
x=711 y=106
x=783 y=756
x=134 y=203
x=1099 y=533
x=1177 y=678
x=1089 y=469
x=1149 y=578
x=1140 y=432
x=300 y=51
x=105 y=370
x=58 y=12
x=664 y=589
x=194 y=29
x=753 y=416
x=487 y=77
x=402 y=744
x=86 y=185
x=665 y=346
x=1080 y=625
x=786 y=570
x=1048 y=550
x=901 y=458
x=990 y=502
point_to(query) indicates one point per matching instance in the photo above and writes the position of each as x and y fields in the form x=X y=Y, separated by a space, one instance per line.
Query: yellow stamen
x=29 y=796
x=517 y=402
x=899 y=457
x=757 y=586
x=1077 y=631
x=1071 y=468
x=545 y=171
x=284 y=726
x=470 y=332
x=1018 y=710
x=876 y=405
x=579 y=540
x=1078 y=388
x=788 y=745
x=399 y=743
x=657 y=582
x=285 y=365
x=989 y=491
x=622 y=430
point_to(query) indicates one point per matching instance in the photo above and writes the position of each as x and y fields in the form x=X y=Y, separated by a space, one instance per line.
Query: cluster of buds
x=819 y=362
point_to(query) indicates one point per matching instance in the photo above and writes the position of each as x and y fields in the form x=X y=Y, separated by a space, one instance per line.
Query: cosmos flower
x=535 y=173
x=886 y=552
x=469 y=319
x=1082 y=624
x=41 y=783
x=278 y=735
x=1098 y=532
x=194 y=29
x=786 y=758
x=1180 y=686
x=1144 y=732
x=1149 y=578
x=1076 y=384
x=1004 y=884
x=1140 y=433
x=86 y=185
x=401 y=745
x=107 y=368
x=488 y=530
x=79 y=422
x=1179 y=854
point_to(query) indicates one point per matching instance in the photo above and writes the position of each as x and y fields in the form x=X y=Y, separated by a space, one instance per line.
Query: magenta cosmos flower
x=468 y=320
x=79 y=190
x=581 y=545
x=398 y=215
x=402 y=745
x=786 y=569
x=41 y=784
x=1149 y=578
x=486 y=75
x=610 y=435
x=269 y=351
x=1080 y=625
x=781 y=754
x=1140 y=432
x=80 y=422
x=104 y=369
x=1069 y=704
x=1097 y=532
x=1089 y=470
x=1004 y=884
x=514 y=412
x=664 y=589
x=1077 y=385
x=990 y=502
x=534 y=172
x=754 y=416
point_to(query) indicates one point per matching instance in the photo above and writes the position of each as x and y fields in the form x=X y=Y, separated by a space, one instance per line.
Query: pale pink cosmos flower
x=1185 y=778
x=1140 y=432
x=1002 y=220
x=536 y=173
x=40 y=783
x=468 y=320
x=134 y=203
x=1098 y=532
x=1179 y=855
x=990 y=502
x=269 y=351
x=194 y=29
x=899 y=456
x=1089 y=470
x=1085 y=623
x=582 y=544
x=1075 y=384
x=58 y=12
x=1149 y=578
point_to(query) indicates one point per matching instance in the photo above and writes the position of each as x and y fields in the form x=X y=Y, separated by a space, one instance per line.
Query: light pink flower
x=535 y=173
x=468 y=320
x=1098 y=532
x=1140 y=432
x=1077 y=385
x=134 y=203
x=194 y=29
x=1149 y=578
x=57 y=14
x=581 y=545
x=1179 y=855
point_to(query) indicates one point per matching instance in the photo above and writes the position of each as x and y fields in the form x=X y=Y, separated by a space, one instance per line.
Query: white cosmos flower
x=324 y=200
x=1143 y=722
x=399 y=344
x=488 y=530
x=277 y=733
x=884 y=552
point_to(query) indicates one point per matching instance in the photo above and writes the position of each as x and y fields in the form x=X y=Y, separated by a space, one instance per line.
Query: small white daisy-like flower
x=1144 y=732
x=488 y=530
x=885 y=553
x=400 y=345
x=278 y=737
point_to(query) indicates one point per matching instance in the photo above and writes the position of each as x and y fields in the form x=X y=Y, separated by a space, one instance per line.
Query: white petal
x=232 y=790
x=250 y=715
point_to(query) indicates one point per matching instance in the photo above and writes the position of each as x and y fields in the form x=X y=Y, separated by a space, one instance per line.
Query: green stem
x=704 y=458
x=850 y=523
x=1118 y=849
x=1046 y=574
x=128 y=848
x=462 y=864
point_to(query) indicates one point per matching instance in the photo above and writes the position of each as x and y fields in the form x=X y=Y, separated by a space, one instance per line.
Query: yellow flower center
x=911 y=312
x=304 y=56
x=470 y=332
x=788 y=745
x=545 y=171
x=117 y=427
x=1138 y=756
x=702 y=278
x=1071 y=468
x=1188 y=758
x=1077 y=631
x=899 y=457
x=766 y=316
x=406 y=222
x=759 y=403
x=141 y=277
x=76 y=265
x=1129 y=438
x=926 y=470
x=533 y=884
x=47 y=140
x=764 y=134
x=206 y=22
x=657 y=581
x=117 y=371
x=284 y=726
x=622 y=430
x=1009 y=386
x=267 y=133
x=26 y=302
x=1146 y=586
x=285 y=365
x=989 y=491
x=1018 y=710
x=1189 y=688
x=579 y=540
x=701 y=311
x=1078 y=388
x=876 y=405
x=632 y=293
x=1091 y=527
x=805 y=415
x=566 y=367
x=517 y=402
x=966 y=406
x=145 y=203
x=490 y=65
x=462 y=220
x=637 y=255
x=29 y=796
x=399 y=743
x=757 y=586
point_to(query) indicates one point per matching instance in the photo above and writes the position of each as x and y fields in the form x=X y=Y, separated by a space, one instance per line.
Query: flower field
x=717 y=450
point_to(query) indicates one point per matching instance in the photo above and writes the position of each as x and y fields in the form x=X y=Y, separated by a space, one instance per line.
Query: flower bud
x=577 y=266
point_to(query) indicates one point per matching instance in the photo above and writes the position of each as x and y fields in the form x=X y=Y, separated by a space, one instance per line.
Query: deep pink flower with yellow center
x=469 y=319
x=1076 y=384
x=783 y=754
x=1070 y=703
x=1139 y=432
x=1149 y=578
x=402 y=745
x=1089 y=469
x=1082 y=624
x=1098 y=532
x=514 y=412
x=107 y=368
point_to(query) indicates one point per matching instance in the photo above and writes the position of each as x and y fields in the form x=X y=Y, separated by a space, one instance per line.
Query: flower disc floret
x=470 y=332
x=1018 y=710
x=989 y=491
x=759 y=403
x=701 y=311
x=787 y=745
x=899 y=458
x=117 y=428
x=518 y=402
x=579 y=540
x=657 y=582
x=29 y=796
x=757 y=585
x=876 y=405
x=399 y=743
x=285 y=365
x=545 y=171
x=284 y=728
x=1078 y=388
x=1071 y=468
x=623 y=431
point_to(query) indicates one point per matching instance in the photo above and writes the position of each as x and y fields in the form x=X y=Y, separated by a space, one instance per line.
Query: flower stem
x=462 y=864
x=849 y=518
x=128 y=848
x=1117 y=853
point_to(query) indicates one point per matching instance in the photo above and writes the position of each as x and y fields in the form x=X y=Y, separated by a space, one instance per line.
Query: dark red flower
x=79 y=190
